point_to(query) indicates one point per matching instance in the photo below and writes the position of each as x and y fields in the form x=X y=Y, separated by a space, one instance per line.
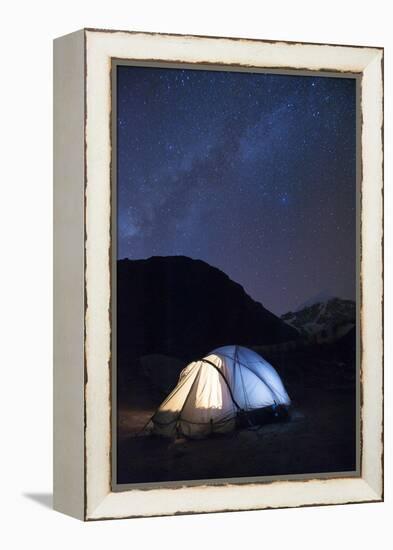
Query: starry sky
x=253 y=173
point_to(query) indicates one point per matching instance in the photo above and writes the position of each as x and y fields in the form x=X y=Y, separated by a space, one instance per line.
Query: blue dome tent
x=231 y=386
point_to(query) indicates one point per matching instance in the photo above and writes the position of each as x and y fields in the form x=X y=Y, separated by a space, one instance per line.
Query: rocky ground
x=320 y=436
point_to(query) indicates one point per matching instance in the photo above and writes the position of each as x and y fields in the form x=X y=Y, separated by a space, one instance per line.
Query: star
x=253 y=173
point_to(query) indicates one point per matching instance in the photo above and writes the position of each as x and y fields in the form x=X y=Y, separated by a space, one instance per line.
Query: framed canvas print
x=218 y=274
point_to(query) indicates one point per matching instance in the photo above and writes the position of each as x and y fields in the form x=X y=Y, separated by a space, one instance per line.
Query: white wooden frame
x=82 y=335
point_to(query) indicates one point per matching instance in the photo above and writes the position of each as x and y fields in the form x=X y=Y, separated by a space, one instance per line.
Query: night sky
x=253 y=173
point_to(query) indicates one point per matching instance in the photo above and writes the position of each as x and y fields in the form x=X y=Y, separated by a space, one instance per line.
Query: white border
x=101 y=46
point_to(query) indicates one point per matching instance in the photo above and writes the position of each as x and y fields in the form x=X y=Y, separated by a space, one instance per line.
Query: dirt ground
x=320 y=435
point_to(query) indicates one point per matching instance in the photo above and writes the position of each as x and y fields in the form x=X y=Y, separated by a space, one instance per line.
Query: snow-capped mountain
x=322 y=296
x=324 y=320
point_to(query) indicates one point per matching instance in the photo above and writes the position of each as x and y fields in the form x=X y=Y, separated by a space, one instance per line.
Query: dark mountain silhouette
x=346 y=345
x=184 y=308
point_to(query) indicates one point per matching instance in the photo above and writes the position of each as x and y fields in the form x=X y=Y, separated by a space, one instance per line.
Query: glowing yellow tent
x=211 y=393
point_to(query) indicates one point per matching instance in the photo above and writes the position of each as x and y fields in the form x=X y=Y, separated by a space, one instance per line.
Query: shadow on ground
x=44 y=499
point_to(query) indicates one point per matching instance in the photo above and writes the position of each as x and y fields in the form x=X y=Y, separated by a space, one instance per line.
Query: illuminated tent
x=214 y=392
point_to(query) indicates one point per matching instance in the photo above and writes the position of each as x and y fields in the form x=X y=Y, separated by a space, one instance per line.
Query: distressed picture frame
x=83 y=290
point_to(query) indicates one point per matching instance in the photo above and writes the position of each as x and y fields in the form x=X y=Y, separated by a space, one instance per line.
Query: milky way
x=253 y=173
